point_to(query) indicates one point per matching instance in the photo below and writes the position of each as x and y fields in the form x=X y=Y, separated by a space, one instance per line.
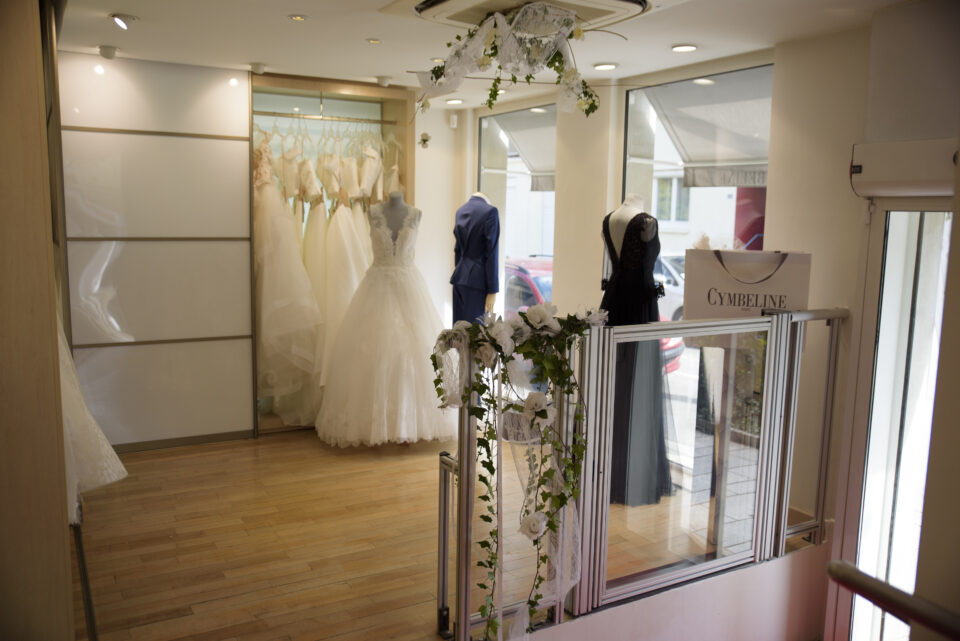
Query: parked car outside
x=668 y=270
x=529 y=281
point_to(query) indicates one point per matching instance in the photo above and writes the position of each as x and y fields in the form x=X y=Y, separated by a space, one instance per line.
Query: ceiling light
x=683 y=48
x=703 y=81
x=234 y=82
x=107 y=51
x=257 y=67
x=373 y=41
x=297 y=17
x=122 y=20
x=454 y=101
x=538 y=110
x=98 y=70
x=500 y=92
x=436 y=60
x=296 y=109
x=605 y=66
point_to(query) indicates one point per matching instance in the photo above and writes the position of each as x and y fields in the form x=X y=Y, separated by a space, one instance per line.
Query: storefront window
x=696 y=152
x=517 y=156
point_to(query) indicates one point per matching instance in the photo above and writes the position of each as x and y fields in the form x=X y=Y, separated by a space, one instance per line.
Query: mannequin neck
x=480 y=194
x=395 y=199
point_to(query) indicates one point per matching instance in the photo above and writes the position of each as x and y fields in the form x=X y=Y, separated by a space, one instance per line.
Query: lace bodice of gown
x=393 y=248
x=630 y=293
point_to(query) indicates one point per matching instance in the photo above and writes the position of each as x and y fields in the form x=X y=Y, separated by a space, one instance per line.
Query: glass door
x=915 y=253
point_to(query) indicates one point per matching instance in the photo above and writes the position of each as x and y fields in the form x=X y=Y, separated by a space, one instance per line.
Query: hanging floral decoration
x=548 y=456
x=518 y=46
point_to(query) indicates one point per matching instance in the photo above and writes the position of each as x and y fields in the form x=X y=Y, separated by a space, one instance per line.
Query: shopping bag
x=737 y=284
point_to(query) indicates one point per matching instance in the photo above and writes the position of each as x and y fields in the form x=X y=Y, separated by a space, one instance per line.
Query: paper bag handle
x=719 y=256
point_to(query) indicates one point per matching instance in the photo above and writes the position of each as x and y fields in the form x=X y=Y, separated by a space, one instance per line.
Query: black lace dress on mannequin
x=640 y=472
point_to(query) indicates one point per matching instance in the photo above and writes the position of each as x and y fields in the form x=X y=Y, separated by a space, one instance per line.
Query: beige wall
x=818 y=113
x=35 y=588
x=439 y=192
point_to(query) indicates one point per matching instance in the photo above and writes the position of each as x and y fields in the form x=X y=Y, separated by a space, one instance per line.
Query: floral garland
x=523 y=43
x=499 y=349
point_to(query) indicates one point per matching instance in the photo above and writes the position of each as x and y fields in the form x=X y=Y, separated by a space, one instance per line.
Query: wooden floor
x=280 y=538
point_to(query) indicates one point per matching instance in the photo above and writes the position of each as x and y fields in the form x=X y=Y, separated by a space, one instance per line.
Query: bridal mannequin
x=394 y=210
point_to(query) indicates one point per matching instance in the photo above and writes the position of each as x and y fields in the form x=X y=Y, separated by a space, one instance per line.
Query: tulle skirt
x=379 y=385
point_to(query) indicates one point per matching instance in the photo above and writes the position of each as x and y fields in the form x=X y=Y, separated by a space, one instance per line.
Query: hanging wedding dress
x=90 y=461
x=383 y=388
x=288 y=320
x=346 y=264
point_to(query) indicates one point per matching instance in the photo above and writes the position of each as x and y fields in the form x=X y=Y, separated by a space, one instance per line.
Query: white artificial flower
x=533 y=525
x=578 y=33
x=425 y=104
x=487 y=354
x=594 y=317
x=502 y=333
x=535 y=402
x=483 y=62
x=542 y=317
x=570 y=76
x=488 y=319
x=517 y=371
x=548 y=420
x=462 y=325
x=521 y=331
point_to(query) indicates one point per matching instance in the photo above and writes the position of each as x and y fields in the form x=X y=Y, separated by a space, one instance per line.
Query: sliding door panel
x=148 y=291
x=141 y=185
x=144 y=393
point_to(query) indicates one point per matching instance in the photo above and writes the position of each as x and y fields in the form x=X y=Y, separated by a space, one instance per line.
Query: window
x=696 y=152
x=517 y=156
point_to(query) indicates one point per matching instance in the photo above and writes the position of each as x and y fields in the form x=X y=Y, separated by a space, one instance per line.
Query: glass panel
x=139 y=291
x=151 y=392
x=155 y=185
x=686 y=438
x=696 y=152
x=916 y=250
x=517 y=158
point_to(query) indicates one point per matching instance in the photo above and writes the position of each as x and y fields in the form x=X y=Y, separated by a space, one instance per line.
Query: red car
x=529 y=281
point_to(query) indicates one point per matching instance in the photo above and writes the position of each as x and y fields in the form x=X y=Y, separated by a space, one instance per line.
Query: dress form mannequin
x=475 y=276
x=621 y=217
x=395 y=211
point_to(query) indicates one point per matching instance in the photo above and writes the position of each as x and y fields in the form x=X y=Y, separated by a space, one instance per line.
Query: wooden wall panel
x=35 y=591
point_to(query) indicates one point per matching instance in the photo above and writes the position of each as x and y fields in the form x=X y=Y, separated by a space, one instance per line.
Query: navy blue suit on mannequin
x=477 y=232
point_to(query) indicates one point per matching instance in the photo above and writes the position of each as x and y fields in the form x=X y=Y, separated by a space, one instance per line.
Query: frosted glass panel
x=138 y=291
x=152 y=392
x=131 y=185
x=137 y=94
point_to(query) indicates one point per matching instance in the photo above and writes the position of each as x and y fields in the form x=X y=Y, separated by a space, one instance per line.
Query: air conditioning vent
x=467 y=13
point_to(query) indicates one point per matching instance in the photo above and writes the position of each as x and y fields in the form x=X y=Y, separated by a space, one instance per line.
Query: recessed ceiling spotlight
x=538 y=110
x=500 y=92
x=683 y=48
x=234 y=82
x=297 y=17
x=454 y=101
x=373 y=41
x=98 y=70
x=703 y=81
x=605 y=66
x=436 y=60
x=122 y=20
x=297 y=109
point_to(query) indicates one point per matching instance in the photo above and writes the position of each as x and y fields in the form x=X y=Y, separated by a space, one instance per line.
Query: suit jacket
x=477 y=232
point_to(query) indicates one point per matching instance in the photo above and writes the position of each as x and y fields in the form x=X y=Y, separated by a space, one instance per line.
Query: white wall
x=440 y=191
x=777 y=600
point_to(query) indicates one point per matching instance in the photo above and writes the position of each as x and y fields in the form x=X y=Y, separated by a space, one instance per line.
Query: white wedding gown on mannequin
x=380 y=383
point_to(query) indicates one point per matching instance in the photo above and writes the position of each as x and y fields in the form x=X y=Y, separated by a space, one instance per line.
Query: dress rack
x=281 y=114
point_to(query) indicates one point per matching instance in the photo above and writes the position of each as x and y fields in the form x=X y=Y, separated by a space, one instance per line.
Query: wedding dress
x=288 y=320
x=89 y=459
x=345 y=267
x=371 y=175
x=383 y=388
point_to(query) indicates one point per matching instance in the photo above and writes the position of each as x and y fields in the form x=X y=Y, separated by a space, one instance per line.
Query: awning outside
x=534 y=136
x=720 y=130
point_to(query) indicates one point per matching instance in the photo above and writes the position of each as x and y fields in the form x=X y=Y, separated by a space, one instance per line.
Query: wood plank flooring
x=279 y=538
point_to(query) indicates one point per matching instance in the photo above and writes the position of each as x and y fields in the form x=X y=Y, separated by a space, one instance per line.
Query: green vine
x=499 y=348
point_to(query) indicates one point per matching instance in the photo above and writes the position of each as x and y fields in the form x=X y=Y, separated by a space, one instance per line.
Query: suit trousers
x=468 y=303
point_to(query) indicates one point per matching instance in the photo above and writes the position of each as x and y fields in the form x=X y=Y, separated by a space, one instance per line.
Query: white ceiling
x=331 y=43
